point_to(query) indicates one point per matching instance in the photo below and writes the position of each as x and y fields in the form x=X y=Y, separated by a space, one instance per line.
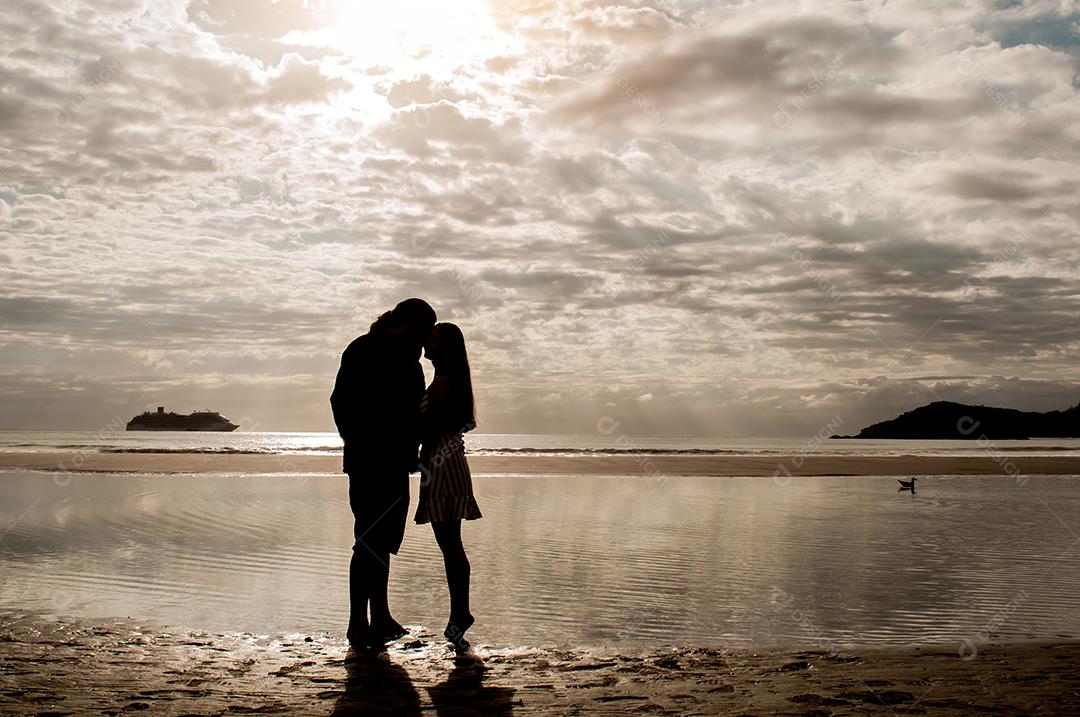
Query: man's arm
x=346 y=399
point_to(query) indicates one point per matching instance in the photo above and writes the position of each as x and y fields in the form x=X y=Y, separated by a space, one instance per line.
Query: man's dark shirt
x=376 y=403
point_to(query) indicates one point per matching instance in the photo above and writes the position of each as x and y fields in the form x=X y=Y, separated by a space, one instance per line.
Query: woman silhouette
x=446 y=495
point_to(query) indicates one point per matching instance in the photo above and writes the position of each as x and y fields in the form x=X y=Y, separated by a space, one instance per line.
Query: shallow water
x=570 y=559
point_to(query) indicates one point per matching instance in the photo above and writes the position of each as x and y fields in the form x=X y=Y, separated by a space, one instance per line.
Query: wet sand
x=113 y=667
x=795 y=465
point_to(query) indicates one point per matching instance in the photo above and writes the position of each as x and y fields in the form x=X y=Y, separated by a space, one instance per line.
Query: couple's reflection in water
x=376 y=685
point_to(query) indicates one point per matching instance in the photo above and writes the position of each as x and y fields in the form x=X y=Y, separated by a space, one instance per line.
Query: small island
x=945 y=420
x=197 y=421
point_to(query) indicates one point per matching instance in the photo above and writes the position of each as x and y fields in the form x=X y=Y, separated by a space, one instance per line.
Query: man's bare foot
x=358 y=637
x=388 y=630
x=366 y=641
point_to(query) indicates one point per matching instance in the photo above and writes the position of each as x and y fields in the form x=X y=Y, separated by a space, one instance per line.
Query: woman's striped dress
x=446 y=491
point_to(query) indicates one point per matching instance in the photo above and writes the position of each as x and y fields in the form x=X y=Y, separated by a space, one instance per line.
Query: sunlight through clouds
x=750 y=213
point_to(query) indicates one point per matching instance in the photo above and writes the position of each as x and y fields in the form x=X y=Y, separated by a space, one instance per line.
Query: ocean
x=113 y=441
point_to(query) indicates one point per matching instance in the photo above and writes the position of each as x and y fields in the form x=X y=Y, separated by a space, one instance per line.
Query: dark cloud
x=919 y=259
x=10 y=111
x=981 y=185
x=756 y=69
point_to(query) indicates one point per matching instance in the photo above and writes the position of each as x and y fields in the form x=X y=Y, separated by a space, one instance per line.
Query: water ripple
x=590 y=559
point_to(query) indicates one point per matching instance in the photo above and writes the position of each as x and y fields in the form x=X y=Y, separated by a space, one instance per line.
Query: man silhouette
x=376 y=402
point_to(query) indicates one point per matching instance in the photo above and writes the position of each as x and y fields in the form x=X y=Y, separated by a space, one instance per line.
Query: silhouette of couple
x=392 y=426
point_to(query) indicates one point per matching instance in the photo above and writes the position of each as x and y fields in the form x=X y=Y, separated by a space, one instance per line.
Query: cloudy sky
x=696 y=218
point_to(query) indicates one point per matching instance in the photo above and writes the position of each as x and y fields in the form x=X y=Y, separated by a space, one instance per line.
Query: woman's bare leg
x=458 y=572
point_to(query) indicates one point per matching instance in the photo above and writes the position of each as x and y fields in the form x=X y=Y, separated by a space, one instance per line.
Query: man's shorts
x=379 y=499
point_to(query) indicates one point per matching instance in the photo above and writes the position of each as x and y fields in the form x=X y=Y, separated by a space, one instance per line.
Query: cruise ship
x=198 y=421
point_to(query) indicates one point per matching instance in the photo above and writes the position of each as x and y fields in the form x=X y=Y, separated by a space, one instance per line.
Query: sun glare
x=418 y=31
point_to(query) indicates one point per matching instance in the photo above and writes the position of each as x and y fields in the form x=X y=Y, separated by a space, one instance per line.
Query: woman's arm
x=440 y=408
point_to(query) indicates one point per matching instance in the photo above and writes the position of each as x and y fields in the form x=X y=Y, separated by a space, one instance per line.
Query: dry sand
x=988 y=464
x=115 y=667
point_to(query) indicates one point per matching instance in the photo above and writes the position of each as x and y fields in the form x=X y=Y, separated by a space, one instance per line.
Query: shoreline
x=72 y=666
x=990 y=464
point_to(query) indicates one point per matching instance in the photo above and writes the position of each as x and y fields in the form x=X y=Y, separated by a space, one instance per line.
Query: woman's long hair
x=454 y=363
x=385 y=320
